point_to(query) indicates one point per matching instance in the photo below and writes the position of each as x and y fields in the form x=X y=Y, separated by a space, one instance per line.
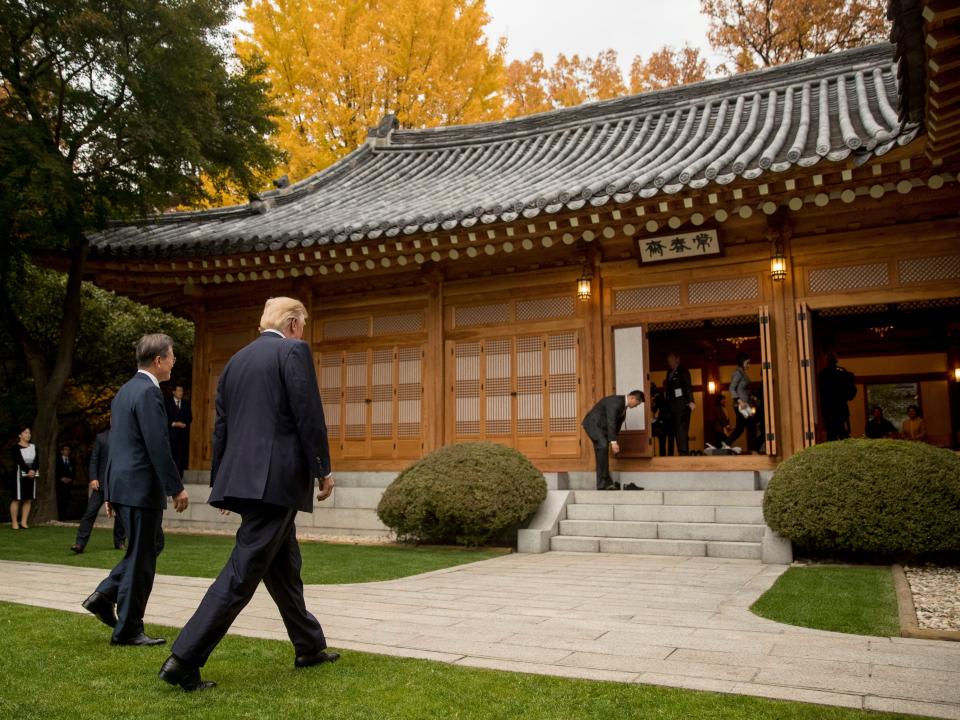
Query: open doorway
x=901 y=355
x=709 y=350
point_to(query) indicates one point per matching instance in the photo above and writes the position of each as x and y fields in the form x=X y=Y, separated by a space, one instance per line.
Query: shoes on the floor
x=303 y=661
x=140 y=640
x=177 y=672
x=99 y=605
x=77 y=549
x=632 y=486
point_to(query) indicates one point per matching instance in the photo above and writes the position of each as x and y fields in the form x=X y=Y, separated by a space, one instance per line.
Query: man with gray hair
x=269 y=450
x=140 y=475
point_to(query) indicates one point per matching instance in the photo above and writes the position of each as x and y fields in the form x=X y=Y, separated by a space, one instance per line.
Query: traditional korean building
x=492 y=281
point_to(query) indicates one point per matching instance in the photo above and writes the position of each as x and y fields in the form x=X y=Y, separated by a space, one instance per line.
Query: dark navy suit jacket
x=269 y=438
x=140 y=471
x=605 y=419
x=99 y=457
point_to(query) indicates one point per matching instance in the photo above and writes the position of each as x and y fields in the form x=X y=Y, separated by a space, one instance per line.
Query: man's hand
x=616 y=447
x=94 y=485
x=326 y=487
x=180 y=501
x=109 y=508
x=691 y=405
x=178 y=424
x=31 y=472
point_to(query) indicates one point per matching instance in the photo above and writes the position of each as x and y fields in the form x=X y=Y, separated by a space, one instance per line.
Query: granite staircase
x=712 y=514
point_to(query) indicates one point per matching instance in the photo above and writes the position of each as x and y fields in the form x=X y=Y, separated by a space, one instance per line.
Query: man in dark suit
x=837 y=387
x=66 y=474
x=602 y=425
x=98 y=470
x=179 y=417
x=140 y=475
x=678 y=390
x=269 y=447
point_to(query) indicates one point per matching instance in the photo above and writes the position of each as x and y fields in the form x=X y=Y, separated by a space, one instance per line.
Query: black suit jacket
x=140 y=470
x=606 y=417
x=678 y=379
x=269 y=437
x=99 y=457
x=65 y=470
x=181 y=414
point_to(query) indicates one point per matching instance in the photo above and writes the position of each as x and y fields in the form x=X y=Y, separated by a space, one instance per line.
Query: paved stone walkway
x=682 y=622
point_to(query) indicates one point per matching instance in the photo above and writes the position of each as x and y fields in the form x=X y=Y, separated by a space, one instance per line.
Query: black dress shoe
x=323 y=656
x=632 y=486
x=140 y=640
x=177 y=672
x=99 y=605
x=119 y=546
x=77 y=549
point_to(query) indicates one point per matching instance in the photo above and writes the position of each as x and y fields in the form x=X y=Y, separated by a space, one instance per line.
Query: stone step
x=737 y=498
x=608 y=528
x=715 y=480
x=689 y=548
x=667 y=513
x=663 y=531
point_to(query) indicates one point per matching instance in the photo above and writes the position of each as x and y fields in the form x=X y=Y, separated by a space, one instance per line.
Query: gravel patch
x=936 y=595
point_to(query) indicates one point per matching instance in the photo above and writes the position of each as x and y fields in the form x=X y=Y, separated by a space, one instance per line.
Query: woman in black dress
x=24 y=488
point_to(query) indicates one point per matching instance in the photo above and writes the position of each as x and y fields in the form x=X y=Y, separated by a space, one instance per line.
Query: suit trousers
x=680 y=413
x=130 y=582
x=90 y=517
x=601 y=450
x=267 y=550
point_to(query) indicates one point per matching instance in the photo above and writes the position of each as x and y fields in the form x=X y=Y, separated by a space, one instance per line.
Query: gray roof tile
x=412 y=181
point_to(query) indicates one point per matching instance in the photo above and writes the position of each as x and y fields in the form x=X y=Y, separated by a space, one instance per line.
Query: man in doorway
x=602 y=424
x=140 y=476
x=66 y=474
x=838 y=387
x=269 y=448
x=180 y=417
x=678 y=390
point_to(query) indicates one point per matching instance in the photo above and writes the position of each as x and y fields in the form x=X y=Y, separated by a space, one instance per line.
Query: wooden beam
x=943 y=64
x=946 y=101
x=943 y=38
x=942 y=82
x=937 y=12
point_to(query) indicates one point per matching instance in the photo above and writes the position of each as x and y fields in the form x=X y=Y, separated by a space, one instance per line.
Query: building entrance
x=900 y=354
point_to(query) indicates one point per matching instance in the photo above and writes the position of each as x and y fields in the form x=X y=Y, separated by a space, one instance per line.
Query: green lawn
x=60 y=665
x=843 y=598
x=205 y=555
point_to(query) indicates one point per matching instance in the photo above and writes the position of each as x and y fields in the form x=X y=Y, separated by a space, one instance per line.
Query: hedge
x=468 y=494
x=871 y=497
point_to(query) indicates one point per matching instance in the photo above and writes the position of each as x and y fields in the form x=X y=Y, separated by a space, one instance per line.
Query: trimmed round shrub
x=868 y=497
x=468 y=494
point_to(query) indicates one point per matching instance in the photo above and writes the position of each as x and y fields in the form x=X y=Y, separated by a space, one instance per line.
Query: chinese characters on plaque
x=679 y=247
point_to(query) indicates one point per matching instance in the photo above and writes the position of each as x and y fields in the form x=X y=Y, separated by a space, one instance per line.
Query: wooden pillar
x=786 y=360
x=598 y=346
x=198 y=389
x=434 y=410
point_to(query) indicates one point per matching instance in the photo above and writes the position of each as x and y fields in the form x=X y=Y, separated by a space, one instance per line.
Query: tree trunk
x=49 y=380
x=44 y=432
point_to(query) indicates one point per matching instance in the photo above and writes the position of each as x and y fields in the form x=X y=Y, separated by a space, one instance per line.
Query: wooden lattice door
x=520 y=391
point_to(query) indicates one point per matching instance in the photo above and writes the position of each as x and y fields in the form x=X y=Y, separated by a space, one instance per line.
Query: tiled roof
x=714 y=132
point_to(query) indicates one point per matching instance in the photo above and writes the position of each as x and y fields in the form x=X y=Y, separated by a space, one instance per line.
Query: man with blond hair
x=269 y=447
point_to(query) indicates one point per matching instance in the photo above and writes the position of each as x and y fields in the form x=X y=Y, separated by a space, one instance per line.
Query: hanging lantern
x=778 y=262
x=956 y=374
x=711 y=387
x=583 y=285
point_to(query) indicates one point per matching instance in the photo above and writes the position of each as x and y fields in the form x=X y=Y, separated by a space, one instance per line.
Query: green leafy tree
x=104 y=359
x=109 y=109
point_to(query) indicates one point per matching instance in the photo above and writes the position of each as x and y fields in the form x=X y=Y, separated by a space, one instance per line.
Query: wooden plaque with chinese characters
x=681 y=246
